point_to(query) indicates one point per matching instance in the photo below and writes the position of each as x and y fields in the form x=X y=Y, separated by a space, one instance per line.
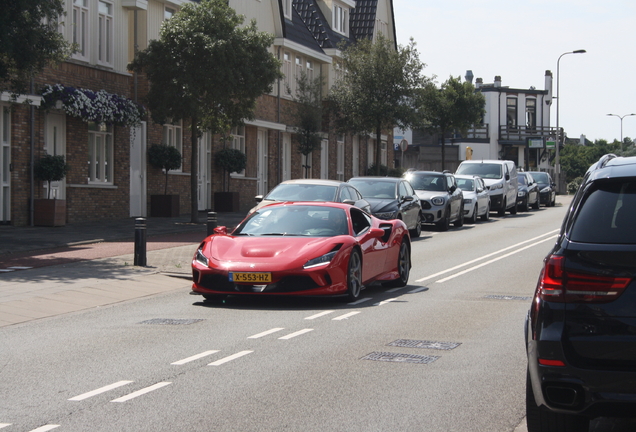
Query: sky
x=520 y=39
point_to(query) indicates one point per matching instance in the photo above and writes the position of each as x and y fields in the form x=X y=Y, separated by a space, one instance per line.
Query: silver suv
x=441 y=199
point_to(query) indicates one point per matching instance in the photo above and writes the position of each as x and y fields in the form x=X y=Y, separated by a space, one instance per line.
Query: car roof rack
x=602 y=162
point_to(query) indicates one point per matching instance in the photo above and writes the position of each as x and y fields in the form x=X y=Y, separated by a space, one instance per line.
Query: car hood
x=291 y=251
x=382 y=205
x=427 y=195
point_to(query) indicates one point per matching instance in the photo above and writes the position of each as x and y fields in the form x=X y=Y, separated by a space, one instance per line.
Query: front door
x=262 y=171
x=5 y=164
x=138 y=207
x=55 y=144
x=204 y=186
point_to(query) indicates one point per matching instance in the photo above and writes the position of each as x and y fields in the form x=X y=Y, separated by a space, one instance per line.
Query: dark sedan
x=391 y=198
x=547 y=188
x=528 y=194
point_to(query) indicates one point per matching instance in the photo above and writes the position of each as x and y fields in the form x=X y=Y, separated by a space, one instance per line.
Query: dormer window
x=340 y=17
x=287 y=8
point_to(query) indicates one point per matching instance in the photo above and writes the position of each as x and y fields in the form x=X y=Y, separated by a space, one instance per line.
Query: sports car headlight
x=386 y=215
x=200 y=258
x=521 y=193
x=322 y=260
x=438 y=201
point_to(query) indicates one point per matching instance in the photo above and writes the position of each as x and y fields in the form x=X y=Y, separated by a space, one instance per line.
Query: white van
x=501 y=178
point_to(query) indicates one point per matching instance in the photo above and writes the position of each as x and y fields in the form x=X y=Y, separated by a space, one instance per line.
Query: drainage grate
x=169 y=321
x=406 y=343
x=400 y=358
x=505 y=297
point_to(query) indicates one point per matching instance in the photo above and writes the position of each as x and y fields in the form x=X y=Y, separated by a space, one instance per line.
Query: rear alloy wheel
x=536 y=204
x=354 y=276
x=486 y=216
x=403 y=267
x=541 y=419
x=525 y=207
x=473 y=218
x=417 y=231
x=444 y=223
x=553 y=202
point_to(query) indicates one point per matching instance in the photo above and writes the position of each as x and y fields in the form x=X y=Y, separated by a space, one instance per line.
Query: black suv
x=581 y=328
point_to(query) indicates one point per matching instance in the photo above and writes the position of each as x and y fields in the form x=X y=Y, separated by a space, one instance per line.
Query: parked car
x=547 y=188
x=391 y=198
x=476 y=197
x=322 y=249
x=528 y=194
x=313 y=190
x=441 y=199
x=580 y=330
x=501 y=178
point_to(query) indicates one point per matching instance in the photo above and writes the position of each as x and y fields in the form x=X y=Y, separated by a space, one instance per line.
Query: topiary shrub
x=50 y=168
x=165 y=157
x=230 y=160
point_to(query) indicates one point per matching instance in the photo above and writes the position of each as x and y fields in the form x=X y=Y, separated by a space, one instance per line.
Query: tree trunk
x=378 y=149
x=443 y=151
x=194 y=171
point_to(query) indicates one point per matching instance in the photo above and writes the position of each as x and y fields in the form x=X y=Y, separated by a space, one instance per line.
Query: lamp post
x=622 y=117
x=557 y=167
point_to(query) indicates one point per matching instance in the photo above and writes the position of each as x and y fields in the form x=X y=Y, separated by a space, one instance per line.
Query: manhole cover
x=506 y=297
x=406 y=343
x=400 y=358
x=169 y=321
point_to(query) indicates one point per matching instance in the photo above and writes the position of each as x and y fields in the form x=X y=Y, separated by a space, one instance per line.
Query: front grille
x=425 y=205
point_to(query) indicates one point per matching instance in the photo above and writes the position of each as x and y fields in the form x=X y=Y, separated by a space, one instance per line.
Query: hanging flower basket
x=91 y=106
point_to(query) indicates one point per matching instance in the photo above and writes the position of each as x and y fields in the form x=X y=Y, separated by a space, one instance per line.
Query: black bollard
x=140 y=242
x=211 y=222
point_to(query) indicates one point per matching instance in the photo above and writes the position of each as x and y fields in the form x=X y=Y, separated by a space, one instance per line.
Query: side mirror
x=258 y=198
x=407 y=198
x=220 y=230
x=376 y=233
x=349 y=201
x=452 y=189
x=553 y=184
x=507 y=177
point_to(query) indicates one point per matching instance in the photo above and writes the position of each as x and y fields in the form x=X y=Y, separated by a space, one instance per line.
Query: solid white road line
x=194 y=357
x=493 y=260
x=362 y=300
x=345 y=316
x=293 y=335
x=318 y=315
x=45 y=428
x=383 y=302
x=3 y=425
x=141 y=392
x=485 y=256
x=230 y=358
x=100 y=390
x=265 y=333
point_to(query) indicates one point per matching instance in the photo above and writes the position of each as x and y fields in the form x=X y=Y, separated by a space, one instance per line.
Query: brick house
x=109 y=175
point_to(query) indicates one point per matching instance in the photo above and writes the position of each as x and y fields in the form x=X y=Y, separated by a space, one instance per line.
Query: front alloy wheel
x=354 y=276
x=444 y=222
x=417 y=231
x=403 y=267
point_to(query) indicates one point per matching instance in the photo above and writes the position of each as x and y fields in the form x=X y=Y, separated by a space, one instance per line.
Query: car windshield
x=428 y=182
x=607 y=215
x=375 y=189
x=541 y=178
x=467 y=185
x=483 y=170
x=522 y=179
x=302 y=192
x=310 y=221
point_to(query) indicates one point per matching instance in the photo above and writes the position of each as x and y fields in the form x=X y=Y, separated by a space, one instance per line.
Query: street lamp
x=558 y=132
x=622 y=117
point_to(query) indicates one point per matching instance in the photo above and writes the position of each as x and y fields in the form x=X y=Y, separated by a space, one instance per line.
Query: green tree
x=29 y=40
x=377 y=90
x=207 y=68
x=307 y=114
x=164 y=157
x=455 y=106
x=230 y=160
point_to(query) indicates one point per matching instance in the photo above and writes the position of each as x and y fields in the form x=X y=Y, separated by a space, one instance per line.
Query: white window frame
x=101 y=153
x=173 y=136
x=238 y=143
x=287 y=72
x=340 y=17
x=105 y=33
x=309 y=70
x=324 y=159
x=306 y=173
x=168 y=13
x=298 y=69
x=80 y=34
x=383 y=153
x=340 y=150
x=287 y=8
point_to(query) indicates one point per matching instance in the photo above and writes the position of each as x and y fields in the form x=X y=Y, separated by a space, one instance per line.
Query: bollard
x=211 y=222
x=140 y=242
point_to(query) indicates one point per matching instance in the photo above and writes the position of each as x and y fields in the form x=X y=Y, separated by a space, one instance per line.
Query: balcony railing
x=522 y=133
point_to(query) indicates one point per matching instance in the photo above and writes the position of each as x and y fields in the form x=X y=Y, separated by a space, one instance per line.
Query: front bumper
x=431 y=213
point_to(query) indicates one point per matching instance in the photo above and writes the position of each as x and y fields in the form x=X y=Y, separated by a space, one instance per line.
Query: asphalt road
x=444 y=353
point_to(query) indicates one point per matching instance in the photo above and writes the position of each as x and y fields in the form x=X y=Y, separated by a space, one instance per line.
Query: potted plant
x=166 y=158
x=230 y=160
x=50 y=212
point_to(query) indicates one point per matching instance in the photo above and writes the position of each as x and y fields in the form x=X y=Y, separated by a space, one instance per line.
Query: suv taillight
x=564 y=286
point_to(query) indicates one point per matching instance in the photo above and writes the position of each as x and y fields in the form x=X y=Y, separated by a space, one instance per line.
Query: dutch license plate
x=251 y=277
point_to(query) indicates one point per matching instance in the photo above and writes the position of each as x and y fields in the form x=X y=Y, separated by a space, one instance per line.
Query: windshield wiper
x=279 y=234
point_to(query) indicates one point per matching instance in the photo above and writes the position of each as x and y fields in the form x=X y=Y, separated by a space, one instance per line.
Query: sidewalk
x=47 y=271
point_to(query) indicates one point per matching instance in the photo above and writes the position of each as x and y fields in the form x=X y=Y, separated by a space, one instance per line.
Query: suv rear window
x=483 y=170
x=607 y=214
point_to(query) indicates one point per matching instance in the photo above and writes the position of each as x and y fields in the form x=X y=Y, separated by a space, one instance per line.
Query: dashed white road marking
x=267 y=332
x=230 y=358
x=383 y=302
x=362 y=300
x=3 y=425
x=420 y=289
x=318 y=315
x=345 y=316
x=141 y=392
x=194 y=357
x=293 y=335
x=45 y=428
x=100 y=390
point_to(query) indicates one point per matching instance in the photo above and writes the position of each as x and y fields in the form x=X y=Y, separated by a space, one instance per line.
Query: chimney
x=498 y=81
x=548 y=87
x=478 y=83
x=469 y=76
x=582 y=140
